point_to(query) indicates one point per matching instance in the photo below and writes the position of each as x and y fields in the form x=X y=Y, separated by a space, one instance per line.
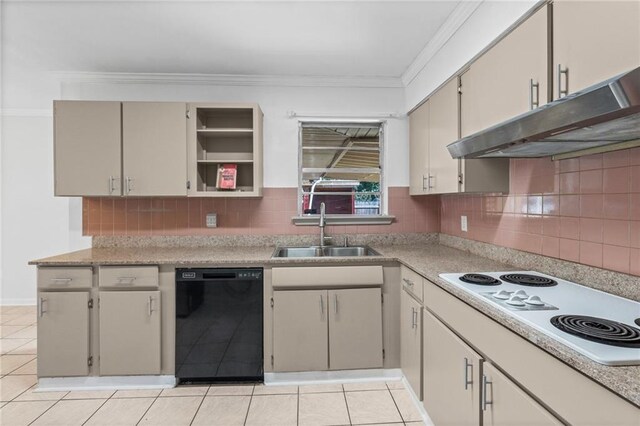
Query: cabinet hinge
x=460 y=88
x=188 y=184
x=272 y=302
x=90 y=361
x=90 y=303
x=460 y=178
x=382 y=297
x=188 y=114
x=383 y=354
x=272 y=360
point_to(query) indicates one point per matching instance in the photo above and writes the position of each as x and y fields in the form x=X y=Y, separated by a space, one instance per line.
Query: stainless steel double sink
x=326 y=251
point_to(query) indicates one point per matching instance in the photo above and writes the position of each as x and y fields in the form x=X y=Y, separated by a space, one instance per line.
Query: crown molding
x=451 y=25
x=228 y=80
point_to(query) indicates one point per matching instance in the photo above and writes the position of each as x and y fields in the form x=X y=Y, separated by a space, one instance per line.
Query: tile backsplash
x=269 y=215
x=584 y=210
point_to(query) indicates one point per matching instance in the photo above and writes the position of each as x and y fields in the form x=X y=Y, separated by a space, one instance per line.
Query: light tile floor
x=372 y=403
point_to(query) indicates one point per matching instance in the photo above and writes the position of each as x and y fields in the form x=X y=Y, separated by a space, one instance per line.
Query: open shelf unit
x=225 y=134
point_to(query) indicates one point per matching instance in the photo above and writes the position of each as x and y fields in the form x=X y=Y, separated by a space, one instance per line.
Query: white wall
x=486 y=23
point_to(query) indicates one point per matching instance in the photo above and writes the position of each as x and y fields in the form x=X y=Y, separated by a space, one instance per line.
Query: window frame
x=344 y=219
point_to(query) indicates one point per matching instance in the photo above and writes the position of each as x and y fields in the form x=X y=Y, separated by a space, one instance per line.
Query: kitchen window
x=341 y=165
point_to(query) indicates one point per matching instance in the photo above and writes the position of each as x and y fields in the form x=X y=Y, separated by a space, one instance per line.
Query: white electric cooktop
x=601 y=326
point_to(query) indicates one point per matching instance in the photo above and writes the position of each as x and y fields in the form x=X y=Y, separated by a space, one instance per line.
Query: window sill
x=313 y=220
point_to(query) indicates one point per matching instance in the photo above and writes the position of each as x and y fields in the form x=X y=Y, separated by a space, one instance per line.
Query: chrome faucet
x=321 y=224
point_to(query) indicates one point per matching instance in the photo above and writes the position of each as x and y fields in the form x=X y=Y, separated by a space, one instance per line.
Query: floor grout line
x=97 y=409
x=396 y=404
x=346 y=403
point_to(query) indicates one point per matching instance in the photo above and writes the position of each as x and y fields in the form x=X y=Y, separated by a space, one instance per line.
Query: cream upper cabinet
x=433 y=126
x=129 y=332
x=593 y=41
x=154 y=141
x=443 y=130
x=355 y=328
x=87 y=148
x=419 y=150
x=504 y=403
x=509 y=79
x=411 y=341
x=451 y=376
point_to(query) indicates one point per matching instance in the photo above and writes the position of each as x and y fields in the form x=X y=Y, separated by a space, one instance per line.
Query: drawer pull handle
x=409 y=282
x=126 y=280
x=61 y=280
x=335 y=303
x=467 y=365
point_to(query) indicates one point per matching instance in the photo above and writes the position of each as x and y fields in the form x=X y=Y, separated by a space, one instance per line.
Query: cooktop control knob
x=521 y=293
x=534 y=300
x=515 y=301
x=502 y=295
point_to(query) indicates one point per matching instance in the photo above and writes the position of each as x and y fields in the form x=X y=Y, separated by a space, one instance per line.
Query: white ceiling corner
x=452 y=24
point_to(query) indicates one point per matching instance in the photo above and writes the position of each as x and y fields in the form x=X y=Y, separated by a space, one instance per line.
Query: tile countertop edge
x=429 y=260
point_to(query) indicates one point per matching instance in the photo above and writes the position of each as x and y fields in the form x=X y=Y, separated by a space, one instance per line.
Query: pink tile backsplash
x=269 y=215
x=583 y=210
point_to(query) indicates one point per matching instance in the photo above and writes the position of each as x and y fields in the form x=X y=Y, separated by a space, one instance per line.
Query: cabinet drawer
x=64 y=277
x=412 y=282
x=128 y=276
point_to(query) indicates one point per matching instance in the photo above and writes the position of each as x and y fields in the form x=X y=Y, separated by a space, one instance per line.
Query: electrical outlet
x=212 y=220
x=463 y=223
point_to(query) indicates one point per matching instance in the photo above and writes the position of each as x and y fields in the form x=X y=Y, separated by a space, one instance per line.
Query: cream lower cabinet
x=355 y=329
x=505 y=404
x=451 y=376
x=300 y=330
x=63 y=334
x=411 y=341
x=593 y=41
x=316 y=330
x=130 y=332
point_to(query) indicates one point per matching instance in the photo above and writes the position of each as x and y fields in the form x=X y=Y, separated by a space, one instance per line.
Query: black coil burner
x=598 y=330
x=637 y=321
x=479 y=279
x=529 y=280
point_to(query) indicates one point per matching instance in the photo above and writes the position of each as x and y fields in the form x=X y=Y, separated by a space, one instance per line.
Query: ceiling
x=290 y=38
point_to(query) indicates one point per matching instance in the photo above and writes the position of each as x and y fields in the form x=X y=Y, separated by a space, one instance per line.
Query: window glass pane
x=341 y=166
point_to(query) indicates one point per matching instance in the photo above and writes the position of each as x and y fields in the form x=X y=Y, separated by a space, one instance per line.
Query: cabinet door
x=594 y=40
x=504 y=403
x=300 y=341
x=355 y=328
x=87 y=150
x=497 y=86
x=411 y=342
x=443 y=130
x=129 y=332
x=154 y=136
x=63 y=334
x=451 y=376
x=419 y=150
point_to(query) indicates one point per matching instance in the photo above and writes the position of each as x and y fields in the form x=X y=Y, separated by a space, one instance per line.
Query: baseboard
x=46 y=384
x=17 y=302
x=338 y=376
x=418 y=404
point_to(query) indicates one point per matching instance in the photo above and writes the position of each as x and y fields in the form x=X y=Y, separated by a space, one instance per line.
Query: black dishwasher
x=219 y=330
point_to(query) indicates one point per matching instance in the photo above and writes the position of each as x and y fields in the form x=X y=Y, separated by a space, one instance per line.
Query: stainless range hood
x=604 y=114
